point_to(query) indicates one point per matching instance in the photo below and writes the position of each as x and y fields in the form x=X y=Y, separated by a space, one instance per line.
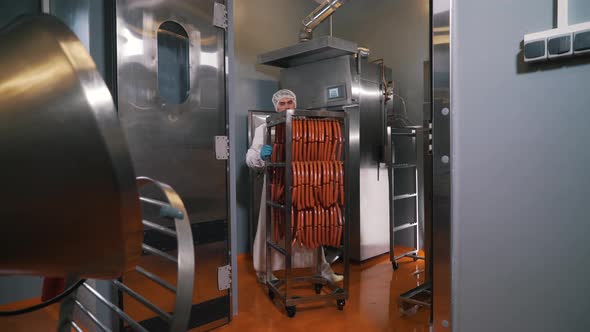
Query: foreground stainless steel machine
x=171 y=59
x=69 y=194
x=333 y=74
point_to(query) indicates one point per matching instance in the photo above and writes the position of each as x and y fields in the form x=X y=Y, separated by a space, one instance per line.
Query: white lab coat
x=301 y=257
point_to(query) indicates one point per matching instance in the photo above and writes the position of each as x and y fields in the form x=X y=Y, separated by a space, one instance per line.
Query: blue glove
x=265 y=152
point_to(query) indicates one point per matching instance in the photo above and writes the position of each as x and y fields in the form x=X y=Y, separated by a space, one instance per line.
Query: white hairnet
x=284 y=93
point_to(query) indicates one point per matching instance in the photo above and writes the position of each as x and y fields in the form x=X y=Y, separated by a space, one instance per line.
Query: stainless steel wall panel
x=311 y=81
x=441 y=165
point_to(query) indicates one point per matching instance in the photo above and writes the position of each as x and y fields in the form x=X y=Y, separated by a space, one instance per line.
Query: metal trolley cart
x=307 y=200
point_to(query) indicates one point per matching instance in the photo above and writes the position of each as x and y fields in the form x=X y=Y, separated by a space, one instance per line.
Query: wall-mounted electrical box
x=564 y=41
x=557 y=43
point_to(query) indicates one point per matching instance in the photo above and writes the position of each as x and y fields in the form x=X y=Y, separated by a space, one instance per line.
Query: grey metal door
x=172 y=105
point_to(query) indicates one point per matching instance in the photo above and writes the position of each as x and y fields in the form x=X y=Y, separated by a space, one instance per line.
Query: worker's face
x=285 y=104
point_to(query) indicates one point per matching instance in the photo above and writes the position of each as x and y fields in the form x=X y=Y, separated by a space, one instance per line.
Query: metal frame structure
x=185 y=261
x=411 y=132
x=441 y=38
x=339 y=294
x=253 y=181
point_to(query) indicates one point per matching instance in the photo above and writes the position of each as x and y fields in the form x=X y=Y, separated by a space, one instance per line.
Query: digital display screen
x=336 y=92
x=333 y=93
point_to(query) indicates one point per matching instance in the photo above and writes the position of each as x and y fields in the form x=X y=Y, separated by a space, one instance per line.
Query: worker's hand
x=265 y=152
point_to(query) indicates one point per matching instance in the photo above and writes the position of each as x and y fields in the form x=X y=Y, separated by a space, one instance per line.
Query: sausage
x=323 y=188
x=303 y=180
x=294 y=141
x=333 y=146
x=332 y=182
x=308 y=224
x=311 y=199
x=312 y=223
x=336 y=226
x=340 y=226
x=325 y=139
x=341 y=173
x=299 y=186
x=318 y=211
x=305 y=140
x=311 y=133
x=318 y=183
x=336 y=181
x=306 y=136
x=328 y=140
x=302 y=140
x=326 y=184
x=322 y=143
x=307 y=201
x=321 y=226
x=313 y=182
x=299 y=139
x=323 y=223
x=316 y=135
x=294 y=180
x=296 y=187
x=330 y=226
x=312 y=174
x=340 y=140
x=301 y=190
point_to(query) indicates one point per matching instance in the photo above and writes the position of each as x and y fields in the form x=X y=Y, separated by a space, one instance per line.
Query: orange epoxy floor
x=372 y=305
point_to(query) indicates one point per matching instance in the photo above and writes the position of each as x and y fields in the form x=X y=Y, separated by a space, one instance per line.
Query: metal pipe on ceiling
x=317 y=16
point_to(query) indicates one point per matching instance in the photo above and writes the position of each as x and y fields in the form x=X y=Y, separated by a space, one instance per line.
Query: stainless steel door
x=171 y=98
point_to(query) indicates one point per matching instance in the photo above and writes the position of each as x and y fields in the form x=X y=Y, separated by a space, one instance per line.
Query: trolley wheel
x=318 y=288
x=271 y=294
x=340 y=304
x=395 y=265
x=291 y=311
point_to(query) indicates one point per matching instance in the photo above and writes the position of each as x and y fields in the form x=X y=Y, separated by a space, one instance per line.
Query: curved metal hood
x=69 y=202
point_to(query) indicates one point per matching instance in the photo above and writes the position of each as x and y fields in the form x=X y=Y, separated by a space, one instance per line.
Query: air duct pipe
x=320 y=14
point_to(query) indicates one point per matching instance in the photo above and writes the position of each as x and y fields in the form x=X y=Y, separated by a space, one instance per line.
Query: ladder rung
x=398 y=197
x=405 y=226
x=398 y=166
x=155 y=279
x=160 y=253
x=153 y=201
x=76 y=327
x=164 y=315
x=275 y=164
x=159 y=228
x=404 y=134
x=92 y=317
x=275 y=205
x=277 y=248
x=135 y=325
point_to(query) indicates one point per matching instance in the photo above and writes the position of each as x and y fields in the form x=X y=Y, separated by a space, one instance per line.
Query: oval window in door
x=173 y=63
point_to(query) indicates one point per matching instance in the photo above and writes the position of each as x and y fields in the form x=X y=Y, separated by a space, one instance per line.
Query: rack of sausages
x=317 y=196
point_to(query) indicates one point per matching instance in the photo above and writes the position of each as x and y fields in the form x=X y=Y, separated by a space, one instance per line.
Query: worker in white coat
x=301 y=257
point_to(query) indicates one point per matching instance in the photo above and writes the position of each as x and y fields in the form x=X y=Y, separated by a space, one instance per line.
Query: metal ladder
x=177 y=320
x=410 y=224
